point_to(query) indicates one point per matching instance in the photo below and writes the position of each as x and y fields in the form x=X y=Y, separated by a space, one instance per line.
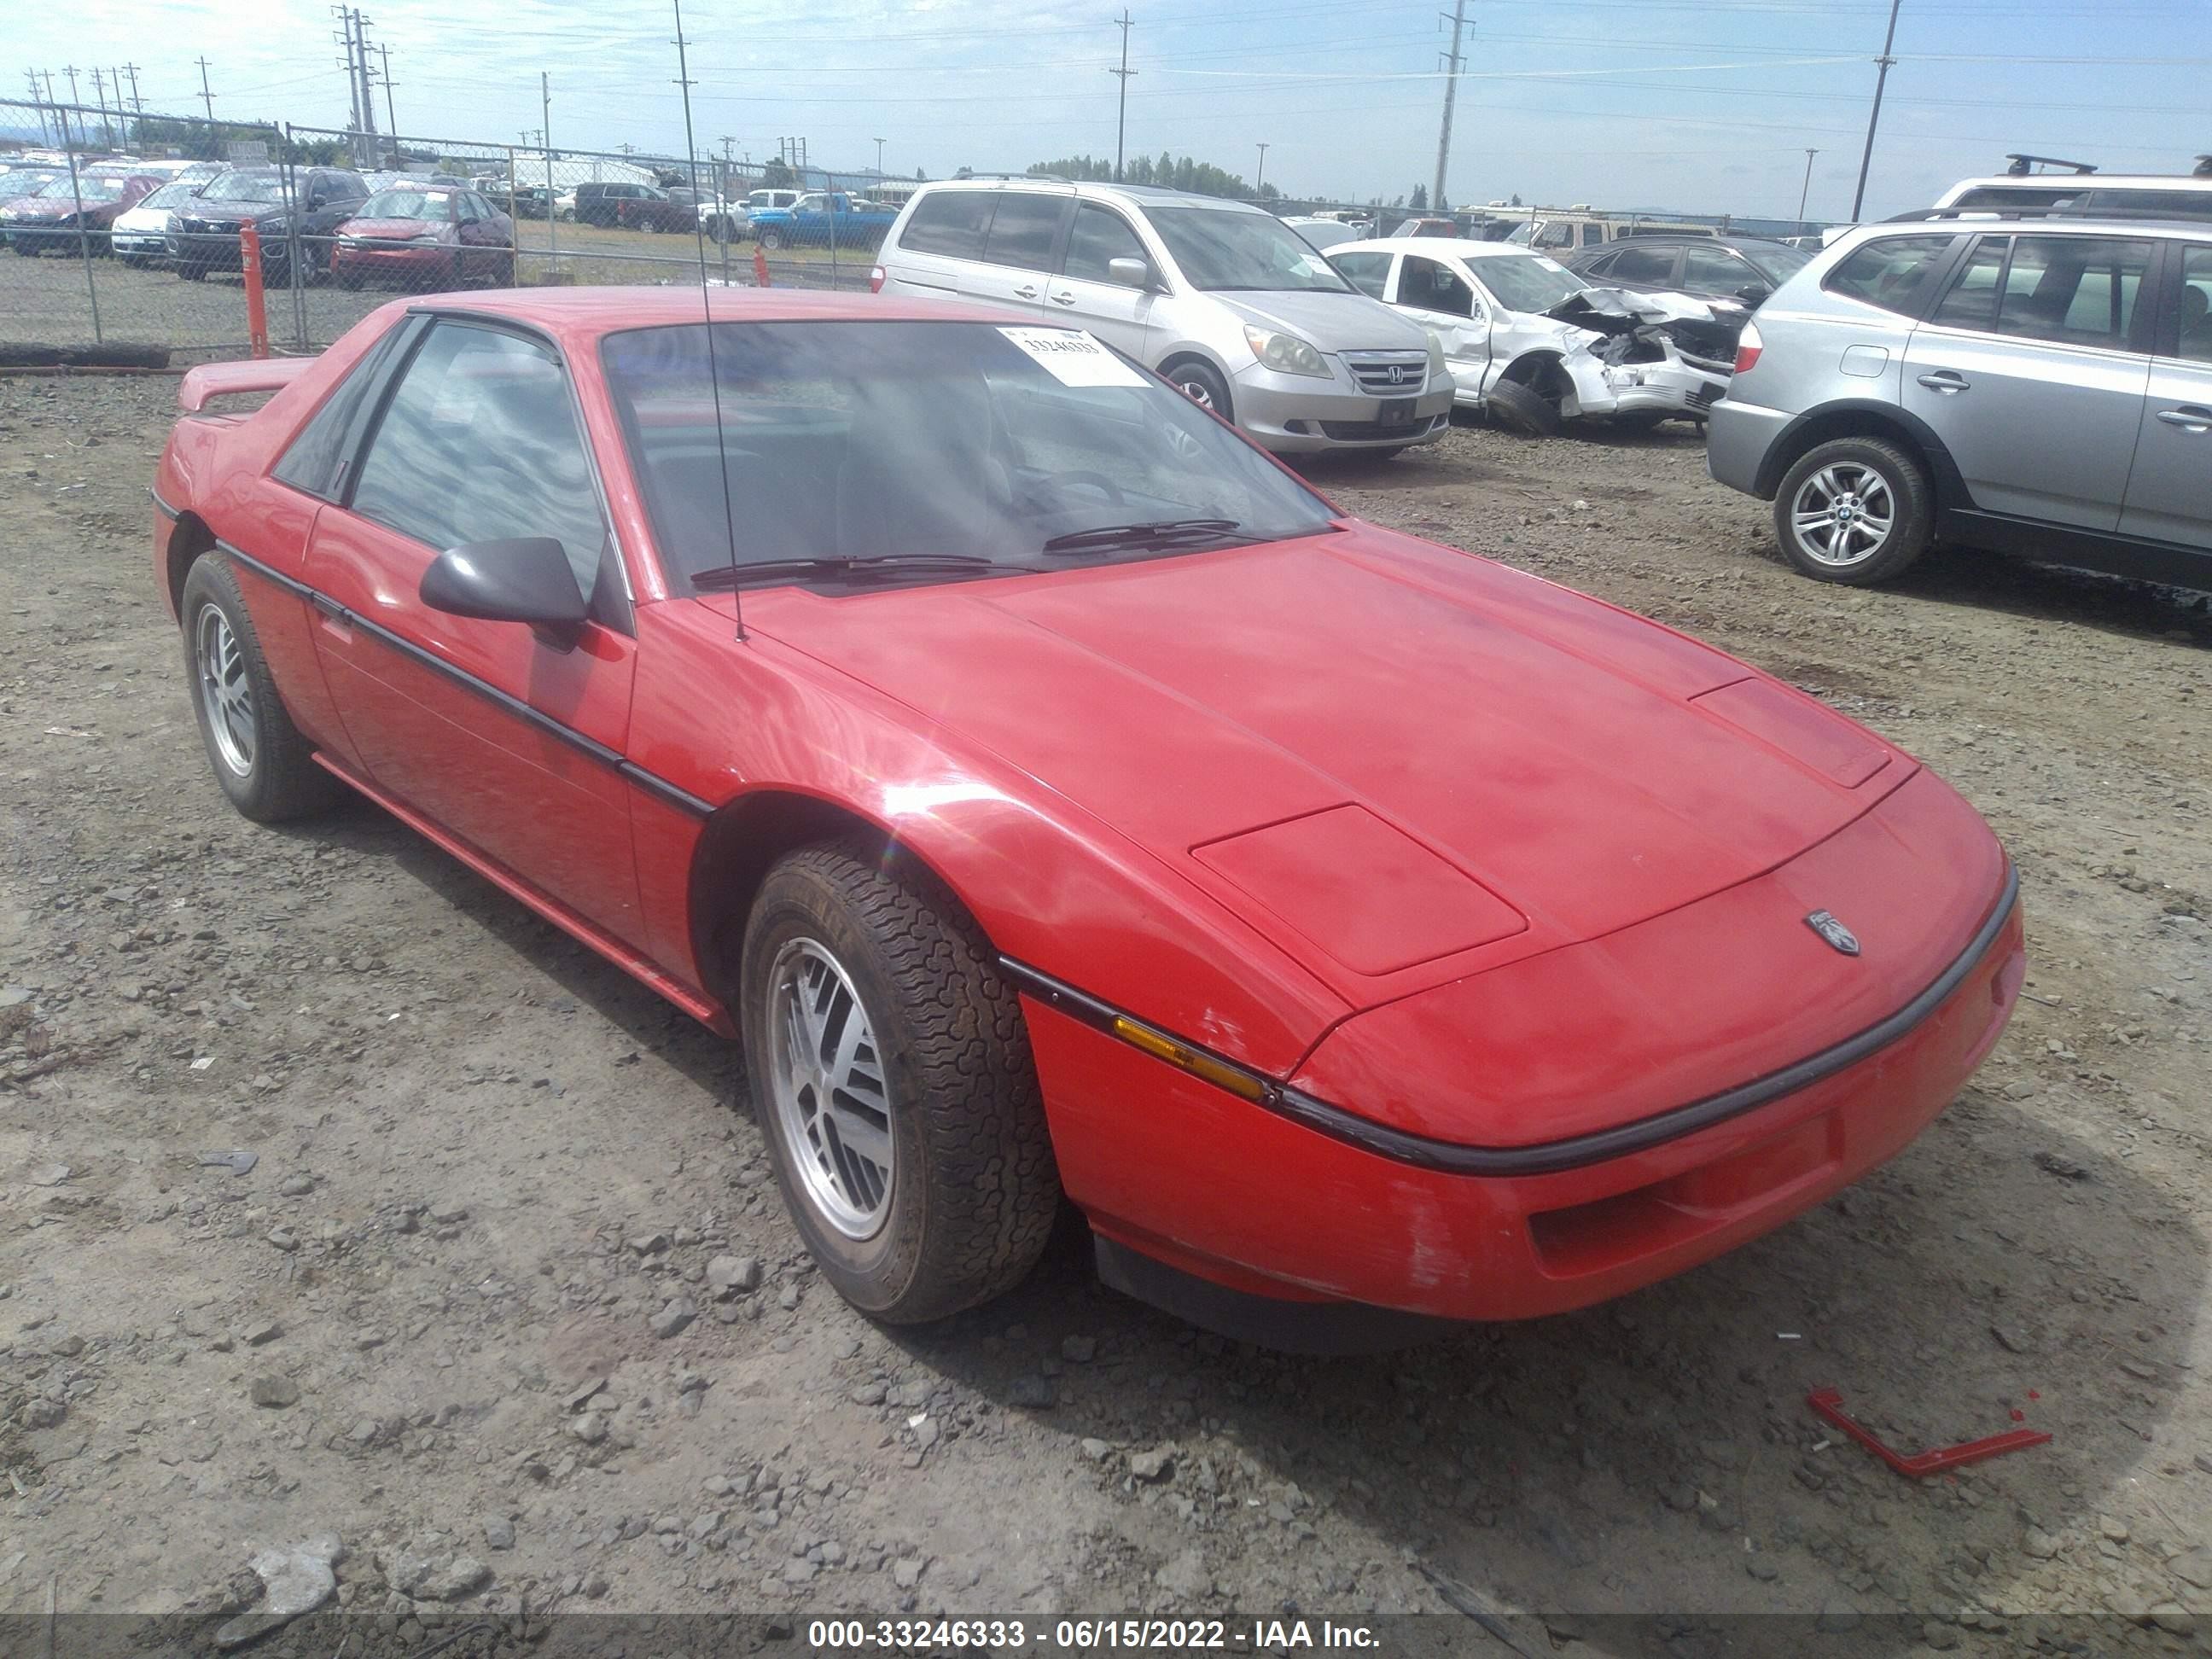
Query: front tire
x=1203 y=386
x=1853 y=510
x=890 y=1073
x=259 y=757
x=772 y=239
x=1523 y=409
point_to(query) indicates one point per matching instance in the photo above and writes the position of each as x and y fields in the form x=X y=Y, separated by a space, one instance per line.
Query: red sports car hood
x=1403 y=763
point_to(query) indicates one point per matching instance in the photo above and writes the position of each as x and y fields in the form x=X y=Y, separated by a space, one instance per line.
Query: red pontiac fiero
x=1059 y=796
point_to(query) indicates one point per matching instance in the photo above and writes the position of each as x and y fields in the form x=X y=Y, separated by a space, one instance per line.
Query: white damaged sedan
x=1536 y=346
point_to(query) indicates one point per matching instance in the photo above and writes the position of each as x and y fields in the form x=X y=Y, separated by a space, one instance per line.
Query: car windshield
x=1223 y=251
x=86 y=187
x=25 y=181
x=244 y=187
x=1779 y=264
x=170 y=194
x=435 y=205
x=890 y=441
x=1523 y=284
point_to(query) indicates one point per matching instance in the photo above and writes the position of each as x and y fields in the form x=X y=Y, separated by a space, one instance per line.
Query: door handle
x=1065 y=297
x=1945 y=380
x=1025 y=291
x=2189 y=417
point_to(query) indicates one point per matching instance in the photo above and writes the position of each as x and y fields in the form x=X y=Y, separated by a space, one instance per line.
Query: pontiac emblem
x=1842 y=938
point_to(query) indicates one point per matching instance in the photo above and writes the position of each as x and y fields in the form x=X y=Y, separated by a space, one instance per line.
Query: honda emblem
x=1837 y=935
x=1397 y=374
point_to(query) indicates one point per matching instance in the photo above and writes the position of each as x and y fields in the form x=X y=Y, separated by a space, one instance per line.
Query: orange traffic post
x=760 y=269
x=257 y=306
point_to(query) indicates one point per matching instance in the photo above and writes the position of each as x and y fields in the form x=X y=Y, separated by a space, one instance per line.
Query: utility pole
x=353 y=81
x=1873 y=115
x=44 y=137
x=1262 y=179
x=137 y=103
x=368 y=91
x=1808 y=191
x=1121 y=111
x=545 y=132
x=879 y=160
x=1451 y=90
x=206 y=97
x=384 y=54
x=99 y=97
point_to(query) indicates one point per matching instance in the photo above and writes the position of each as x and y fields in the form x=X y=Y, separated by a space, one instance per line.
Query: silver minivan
x=1226 y=302
x=2037 y=386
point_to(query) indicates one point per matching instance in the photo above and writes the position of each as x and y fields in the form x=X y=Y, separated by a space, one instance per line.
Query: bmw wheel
x=1853 y=510
x=891 y=1073
x=259 y=757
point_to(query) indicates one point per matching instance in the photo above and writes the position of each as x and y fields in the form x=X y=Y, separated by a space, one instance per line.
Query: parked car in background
x=140 y=235
x=2178 y=195
x=208 y=224
x=19 y=181
x=2040 y=387
x=600 y=202
x=1733 y=275
x=427 y=239
x=732 y=221
x=1427 y=226
x=527 y=200
x=1536 y=346
x=1324 y=233
x=822 y=218
x=1558 y=232
x=648 y=207
x=66 y=213
x=1226 y=302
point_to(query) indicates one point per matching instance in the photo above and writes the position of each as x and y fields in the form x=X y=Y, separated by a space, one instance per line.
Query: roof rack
x=2022 y=165
x=2040 y=210
x=1041 y=177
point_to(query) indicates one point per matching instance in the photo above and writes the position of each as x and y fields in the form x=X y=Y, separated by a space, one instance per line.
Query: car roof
x=1677 y=239
x=1467 y=247
x=579 y=316
x=2189 y=181
x=2038 y=224
x=1142 y=195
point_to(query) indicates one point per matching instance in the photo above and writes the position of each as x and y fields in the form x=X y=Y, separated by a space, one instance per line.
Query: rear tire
x=915 y=1164
x=259 y=758
x=1521 y=408
x=771 y=240
x=1856 y=511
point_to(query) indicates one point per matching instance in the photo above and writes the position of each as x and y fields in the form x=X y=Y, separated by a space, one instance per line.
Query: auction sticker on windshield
x=1073 y=357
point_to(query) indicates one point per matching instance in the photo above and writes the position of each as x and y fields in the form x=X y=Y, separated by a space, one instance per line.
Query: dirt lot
x=43 y=301
x=486 y=1161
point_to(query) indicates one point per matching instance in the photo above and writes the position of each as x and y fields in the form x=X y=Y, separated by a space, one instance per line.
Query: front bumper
x=209 y=250
x=413 y=264
x=1670 y=387
x=141 y=243
x=1738 y=441
x=1299 y=414
x=1665 y=1142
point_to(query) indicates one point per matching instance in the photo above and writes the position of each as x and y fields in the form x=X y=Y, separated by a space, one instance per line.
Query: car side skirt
x=2106 y=550
x=1543 y=1158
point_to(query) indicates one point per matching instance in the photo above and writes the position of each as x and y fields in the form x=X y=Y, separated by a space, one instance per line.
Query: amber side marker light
x=1221 y=1076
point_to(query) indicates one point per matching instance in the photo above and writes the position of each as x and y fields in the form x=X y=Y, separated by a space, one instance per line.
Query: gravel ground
x=44 y=300
x=432 y=1318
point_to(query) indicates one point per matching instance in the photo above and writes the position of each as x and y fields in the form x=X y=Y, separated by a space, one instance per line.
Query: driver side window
x=1431 y=285
x=480 y=443
x=1368 y=272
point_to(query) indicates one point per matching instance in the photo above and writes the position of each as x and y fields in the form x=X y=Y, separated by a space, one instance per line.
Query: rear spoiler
x=211 y=381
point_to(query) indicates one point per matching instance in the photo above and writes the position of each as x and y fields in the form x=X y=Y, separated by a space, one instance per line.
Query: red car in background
x=425 y=238
x=1057 y=795
x=64 y=209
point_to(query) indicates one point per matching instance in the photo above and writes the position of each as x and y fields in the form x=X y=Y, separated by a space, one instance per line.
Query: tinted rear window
x=951 y=222
x=1891 y=273
x=1022 y=230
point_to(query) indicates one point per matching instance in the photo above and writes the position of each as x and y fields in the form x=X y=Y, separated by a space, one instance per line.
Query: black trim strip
x=675 y=795
x=162 y=505
x=1548 y=1157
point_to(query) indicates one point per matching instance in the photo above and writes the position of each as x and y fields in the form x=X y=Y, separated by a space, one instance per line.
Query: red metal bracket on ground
x=1829 y=1402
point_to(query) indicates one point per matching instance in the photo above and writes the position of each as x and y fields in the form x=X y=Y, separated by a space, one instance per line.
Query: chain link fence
x=130 y=226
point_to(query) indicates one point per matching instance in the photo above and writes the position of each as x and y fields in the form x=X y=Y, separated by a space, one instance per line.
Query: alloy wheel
x=1842 y=514
x=226 y=690
x=832 y=1098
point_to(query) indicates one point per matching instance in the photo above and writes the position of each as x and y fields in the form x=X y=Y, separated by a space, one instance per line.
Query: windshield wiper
x=1160 y=532
x=878 y=564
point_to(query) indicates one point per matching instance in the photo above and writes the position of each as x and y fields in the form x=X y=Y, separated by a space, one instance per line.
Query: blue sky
x=1701 y=104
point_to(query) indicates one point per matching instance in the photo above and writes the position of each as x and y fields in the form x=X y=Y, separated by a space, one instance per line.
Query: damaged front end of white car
x=1632 y=360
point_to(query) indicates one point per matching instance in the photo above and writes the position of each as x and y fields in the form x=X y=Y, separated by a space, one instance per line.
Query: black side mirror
x=527 y=579
x=1755 y=293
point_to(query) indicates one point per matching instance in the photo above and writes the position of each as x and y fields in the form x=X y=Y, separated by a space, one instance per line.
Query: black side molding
x=1548 y=1157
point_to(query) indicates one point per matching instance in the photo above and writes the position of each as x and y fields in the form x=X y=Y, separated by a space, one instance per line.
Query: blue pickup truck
x=822 y=219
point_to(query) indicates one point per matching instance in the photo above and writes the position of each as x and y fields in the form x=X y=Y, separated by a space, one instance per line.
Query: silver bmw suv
x=1227 y=302
x=2035 y=386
